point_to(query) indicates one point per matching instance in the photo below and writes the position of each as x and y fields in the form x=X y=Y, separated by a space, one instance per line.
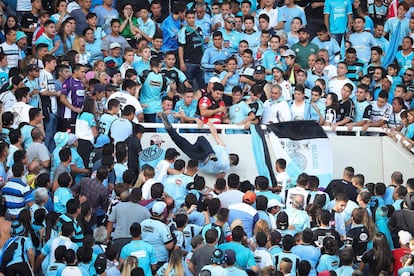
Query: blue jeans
x=338 y=38
x=198 y=151
x=50 y=130
x=195 y=74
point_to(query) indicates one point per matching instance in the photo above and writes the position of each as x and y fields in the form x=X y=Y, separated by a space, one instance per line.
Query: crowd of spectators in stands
x=81 y=196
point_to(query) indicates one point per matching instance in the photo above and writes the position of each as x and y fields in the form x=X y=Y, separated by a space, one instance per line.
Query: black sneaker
x=164 y=118
x=212 y=157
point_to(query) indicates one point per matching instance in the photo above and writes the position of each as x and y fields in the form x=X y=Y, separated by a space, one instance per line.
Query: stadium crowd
x=81 y=196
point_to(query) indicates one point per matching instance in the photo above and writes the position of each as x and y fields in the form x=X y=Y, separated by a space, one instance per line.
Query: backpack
x=100 y=263
x=164 y=86
x=8 y=252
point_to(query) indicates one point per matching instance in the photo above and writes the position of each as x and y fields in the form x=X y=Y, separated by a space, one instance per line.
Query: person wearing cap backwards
x=213 y=58
x=304 y=48
x=218 y=259
x=114 y=37
x=153 y=154
x=114 y=58
x=157 y=233
x=245 y=212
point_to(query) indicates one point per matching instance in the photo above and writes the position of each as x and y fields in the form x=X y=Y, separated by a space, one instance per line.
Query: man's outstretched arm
x=213 y=131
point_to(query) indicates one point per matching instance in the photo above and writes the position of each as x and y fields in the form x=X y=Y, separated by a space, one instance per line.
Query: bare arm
x=109 y=228
x=213 y=131
x=205 y=112
x=326 y=21
x=63 y=99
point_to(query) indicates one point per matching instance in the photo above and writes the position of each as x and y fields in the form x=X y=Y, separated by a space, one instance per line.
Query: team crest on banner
x=305 y=147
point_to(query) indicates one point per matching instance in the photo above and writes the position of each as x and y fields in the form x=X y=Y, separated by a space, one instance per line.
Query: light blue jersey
x=253 y=39
x=170 y=28
x=404 y=61
x=338 y=11
x=328 y=262
x=331 y=46
x=270 y=59
x=60 y=197
x=157 y=234
x=211 y=56
x=289 y=13
x=141 y=66
x=239 y=112
x=221 y=165
x=33 y=85
x=391 y=27
x=362 y=43
x=21 y=253
x=152 y=91
x=244 y=257
x=176 y=187
x=143 y=251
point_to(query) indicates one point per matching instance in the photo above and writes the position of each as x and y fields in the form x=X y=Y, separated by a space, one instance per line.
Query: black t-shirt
x=342 y=186
x=29 y=20
x=314 y=13
x=193 y=47
x=357 y=237
x=346 y=110
x=319 y=234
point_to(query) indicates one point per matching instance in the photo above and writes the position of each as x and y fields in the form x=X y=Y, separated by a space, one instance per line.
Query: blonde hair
x=130 y=263
x=77 y=44
x=261 y=226
x=176 y=263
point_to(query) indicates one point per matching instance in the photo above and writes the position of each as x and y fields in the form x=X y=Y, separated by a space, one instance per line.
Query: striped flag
x=305 y=147
x=392 y=9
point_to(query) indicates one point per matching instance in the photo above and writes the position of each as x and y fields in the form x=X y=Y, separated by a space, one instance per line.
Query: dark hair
x=72 y=206
x=64 y=179
x=115 y=20
x=21 y=92
x=262 y=182
x=261 y=239
x=237 y=233
x=127 y=84
x=128 y=110
x=19 y=155
x=135 y=230
x=180 y=220
x=288 y=242
x=64 y=154
x=211 y=235
x=233 y=180
x=261 y=203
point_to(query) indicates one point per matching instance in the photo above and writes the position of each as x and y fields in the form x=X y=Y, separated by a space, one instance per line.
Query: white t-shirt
x=47 y=83
x=22 y=111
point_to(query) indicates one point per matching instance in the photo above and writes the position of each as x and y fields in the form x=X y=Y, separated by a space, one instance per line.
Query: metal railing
x=357 y=130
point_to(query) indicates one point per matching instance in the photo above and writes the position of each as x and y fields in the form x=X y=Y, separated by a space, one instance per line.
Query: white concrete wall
x=375 y=157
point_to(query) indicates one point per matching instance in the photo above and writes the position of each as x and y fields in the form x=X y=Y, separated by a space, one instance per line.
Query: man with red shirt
x=399 y=253
x=212 y=107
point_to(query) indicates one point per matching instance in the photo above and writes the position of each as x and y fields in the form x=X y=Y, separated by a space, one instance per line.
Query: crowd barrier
x=374 y=156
